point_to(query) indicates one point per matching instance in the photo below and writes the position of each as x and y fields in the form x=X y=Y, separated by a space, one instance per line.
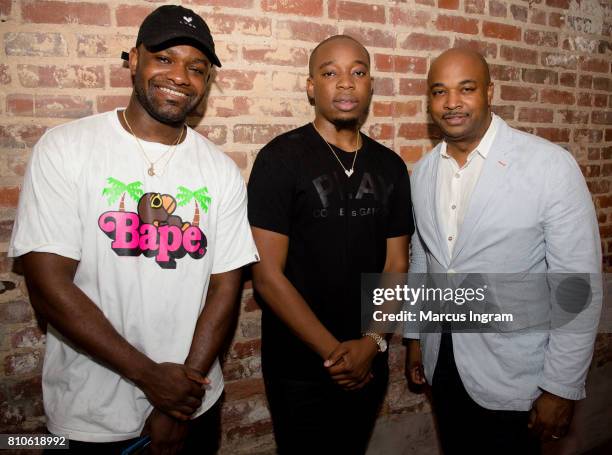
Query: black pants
x=318 y=417
x=466 y=427
x=203 y=438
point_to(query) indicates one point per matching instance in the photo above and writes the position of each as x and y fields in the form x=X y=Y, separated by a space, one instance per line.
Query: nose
x=453 y=100
x=177 y=73
x=345 y=81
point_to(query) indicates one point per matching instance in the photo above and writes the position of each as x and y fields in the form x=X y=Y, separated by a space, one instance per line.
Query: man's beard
x=346 y=124
x=168 y=117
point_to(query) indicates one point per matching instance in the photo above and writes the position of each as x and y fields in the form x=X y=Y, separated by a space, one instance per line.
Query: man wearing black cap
x=133 y=231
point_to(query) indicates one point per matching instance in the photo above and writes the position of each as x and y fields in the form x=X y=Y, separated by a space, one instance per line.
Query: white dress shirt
x=455 y=184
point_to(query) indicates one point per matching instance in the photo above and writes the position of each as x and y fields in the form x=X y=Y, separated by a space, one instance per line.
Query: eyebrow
x=331 y=62
x=466 y=81
x=203 y=61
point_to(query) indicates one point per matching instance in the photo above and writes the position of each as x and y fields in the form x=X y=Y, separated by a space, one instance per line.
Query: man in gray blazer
x=492 y=199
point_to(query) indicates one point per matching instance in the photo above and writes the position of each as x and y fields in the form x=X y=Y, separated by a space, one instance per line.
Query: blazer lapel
x=493 y=172
x=433 y=204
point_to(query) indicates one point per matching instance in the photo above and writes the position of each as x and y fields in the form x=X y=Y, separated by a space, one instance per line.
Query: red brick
x=73 y=76
x=540 y=76
x=236 y=79
x=120 y=76
x=419 y=131
x=227 y=106
x=425 y=2
x=109 y=102
x=519 y=13
x=296 y=56
x=229 y=3
x=538 y=17
x=590 y=136
x=606 y=171
x=29 y=337
x=5 y=10
x=245 y=349
x=383 y=86
x=371 y=36
x=558 y=3
x=506 y=112
x=585 y=81
x=132 y=15
x=20 y=104
x=600 y=187
x=448 y=4
x=258 y=134
x=501 y=31
x=421 y=41
x=457 y=24
x=92 y=46
x=487 y=50
x=474 y=6
x=240 y=158
x=609 y=135
x=381 y=131
x=504 y=73
x=62 y=106
x=217 y=134
x=16 y=311
x=246 y=388
x=601 y=117
x=591 y=170
x=566 y=61
x=353 y=11
x=299 y=7
x=553 y=96
x=604 y=202
x=57 y=12
x=305 y=30
x=9 y=196
x=400 y=64
x=415 y=87
x=519 y=54
x=227 y=24
x=597 y=65
x=539 y=38
x=497 y=9
x=411 y=153
x=585 y=99
x=554 y=134
x=23 y=363
x=19 y=136
x=409 y=17
x=35 y=44
x=5 y=74
x=406 y=109
x=567 y=79
x=567 y=116
x=602 y=83
x=535 y=115
x=556 y=20
x=511 y=93
x=600 y=100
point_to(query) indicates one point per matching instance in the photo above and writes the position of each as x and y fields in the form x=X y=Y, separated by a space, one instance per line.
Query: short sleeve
x=48 y=219
x=400 y=206
x=234 y=242
x=271 y=190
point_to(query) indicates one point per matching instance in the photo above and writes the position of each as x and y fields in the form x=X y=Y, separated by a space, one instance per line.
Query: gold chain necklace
x=350 y=171
x=151 y=169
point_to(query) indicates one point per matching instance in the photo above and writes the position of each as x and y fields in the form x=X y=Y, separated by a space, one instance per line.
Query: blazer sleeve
x=572 y=253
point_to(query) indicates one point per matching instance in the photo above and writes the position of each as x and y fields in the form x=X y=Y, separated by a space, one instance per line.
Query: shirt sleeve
x=48 y=218
x=235 y=246
x=400 y=206
x=271 y=190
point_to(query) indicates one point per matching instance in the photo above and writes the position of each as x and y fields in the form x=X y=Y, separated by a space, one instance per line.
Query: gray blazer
x=530 y=212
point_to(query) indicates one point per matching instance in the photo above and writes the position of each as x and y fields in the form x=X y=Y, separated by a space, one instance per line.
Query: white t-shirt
x=145 y=259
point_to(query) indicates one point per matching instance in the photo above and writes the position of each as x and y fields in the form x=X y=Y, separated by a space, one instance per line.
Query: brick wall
x=59 y=60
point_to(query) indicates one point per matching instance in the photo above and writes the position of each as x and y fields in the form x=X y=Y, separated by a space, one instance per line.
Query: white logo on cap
x=187 y=18
x=187 y=21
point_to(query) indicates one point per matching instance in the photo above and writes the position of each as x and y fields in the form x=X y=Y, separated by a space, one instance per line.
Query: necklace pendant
x=151 y=171
x=348 y=172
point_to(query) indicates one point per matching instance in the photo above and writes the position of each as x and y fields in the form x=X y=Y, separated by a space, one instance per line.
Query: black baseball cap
x=175 y=23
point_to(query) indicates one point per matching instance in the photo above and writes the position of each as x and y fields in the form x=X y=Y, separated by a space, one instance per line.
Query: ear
x=490 y=93
x=133 y=61
x=310 y=88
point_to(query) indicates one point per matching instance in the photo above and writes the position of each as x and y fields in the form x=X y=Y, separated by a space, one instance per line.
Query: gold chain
x=151 y=169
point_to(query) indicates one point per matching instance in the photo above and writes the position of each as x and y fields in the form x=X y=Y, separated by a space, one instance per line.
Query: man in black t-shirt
x=326 y=203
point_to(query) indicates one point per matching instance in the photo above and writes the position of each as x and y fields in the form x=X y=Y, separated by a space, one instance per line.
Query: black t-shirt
x=337 y=228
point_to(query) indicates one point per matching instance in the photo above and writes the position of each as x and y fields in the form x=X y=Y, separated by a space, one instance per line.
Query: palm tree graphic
x=185 y=195
x=117 y=188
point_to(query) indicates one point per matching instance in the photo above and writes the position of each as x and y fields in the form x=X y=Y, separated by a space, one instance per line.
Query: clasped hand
x=350 y=363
